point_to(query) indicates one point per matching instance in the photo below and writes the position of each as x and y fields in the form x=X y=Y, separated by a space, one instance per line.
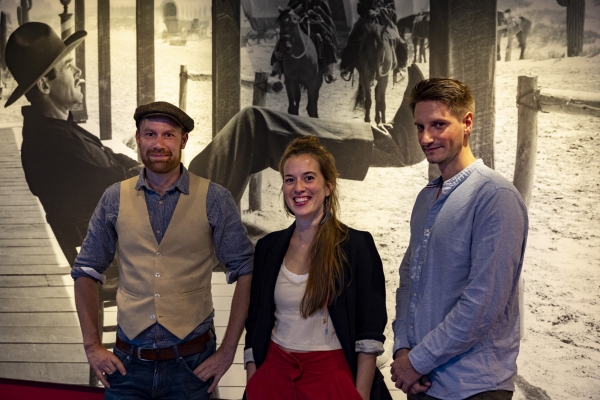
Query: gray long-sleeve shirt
x=232 y=246
x=457 y=304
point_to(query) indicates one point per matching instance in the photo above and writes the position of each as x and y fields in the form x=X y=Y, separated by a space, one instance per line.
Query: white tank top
x=291 y=330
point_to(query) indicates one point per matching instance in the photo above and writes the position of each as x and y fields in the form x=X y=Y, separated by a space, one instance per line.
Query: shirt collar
x=458 y=178
x=182 y=184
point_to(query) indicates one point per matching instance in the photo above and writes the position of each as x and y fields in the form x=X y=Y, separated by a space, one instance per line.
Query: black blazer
x=359 y=312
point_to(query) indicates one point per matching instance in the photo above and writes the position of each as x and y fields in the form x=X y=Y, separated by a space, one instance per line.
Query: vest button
x=157 y=295
x=158 y=254
x=152 y=316
x=157 y=275
x=160 y=202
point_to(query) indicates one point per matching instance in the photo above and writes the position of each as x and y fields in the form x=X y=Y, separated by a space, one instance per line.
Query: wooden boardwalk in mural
x=40 y=338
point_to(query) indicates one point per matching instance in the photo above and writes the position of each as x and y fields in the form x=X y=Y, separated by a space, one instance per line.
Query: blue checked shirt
x=457 y=307
x=232 y=246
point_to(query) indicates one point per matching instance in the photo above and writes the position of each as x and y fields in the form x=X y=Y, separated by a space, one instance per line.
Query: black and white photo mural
x=533 y=65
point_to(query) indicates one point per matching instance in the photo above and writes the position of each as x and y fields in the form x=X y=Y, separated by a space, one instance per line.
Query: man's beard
x=161 y=167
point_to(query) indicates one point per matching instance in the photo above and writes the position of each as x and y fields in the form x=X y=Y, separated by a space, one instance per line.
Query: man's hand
x=103 y=362
x=403 y=373
x=420 y=386
x=215 y=366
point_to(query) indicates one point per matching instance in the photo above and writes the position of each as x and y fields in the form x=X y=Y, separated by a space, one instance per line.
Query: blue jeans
x=170 y=379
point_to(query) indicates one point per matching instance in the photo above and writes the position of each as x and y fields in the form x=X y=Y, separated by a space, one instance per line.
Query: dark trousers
x=490 y=395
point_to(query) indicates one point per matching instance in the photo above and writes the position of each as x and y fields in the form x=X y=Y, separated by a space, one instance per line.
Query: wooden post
x=3 y=39
x=183 y=81
x=462 y=45
x=226 y=61
x=526 y=155
x=144 y=22
x=509 y=43
x=526 y=137
x=259 y=98
x=104 y=92
x=80 y=115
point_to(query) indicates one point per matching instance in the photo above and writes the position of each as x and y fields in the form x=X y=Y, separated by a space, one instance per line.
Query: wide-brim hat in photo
x=32 y=51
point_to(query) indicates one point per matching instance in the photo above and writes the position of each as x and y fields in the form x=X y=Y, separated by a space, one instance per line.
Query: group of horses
x=376 y=57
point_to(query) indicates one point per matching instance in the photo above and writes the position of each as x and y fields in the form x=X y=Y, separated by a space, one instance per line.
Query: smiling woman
x=308 y=304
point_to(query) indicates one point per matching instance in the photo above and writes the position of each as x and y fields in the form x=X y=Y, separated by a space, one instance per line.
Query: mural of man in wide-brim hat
x=65 y=166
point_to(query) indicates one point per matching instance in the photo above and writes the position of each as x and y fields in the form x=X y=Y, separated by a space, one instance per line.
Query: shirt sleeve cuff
x=248 y=356
x=369 y=346
x=421 y=360
x=88 y=272
x=400 y=342
x=232 y=276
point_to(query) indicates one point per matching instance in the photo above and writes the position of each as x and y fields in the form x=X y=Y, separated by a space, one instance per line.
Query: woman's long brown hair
x=327 y=258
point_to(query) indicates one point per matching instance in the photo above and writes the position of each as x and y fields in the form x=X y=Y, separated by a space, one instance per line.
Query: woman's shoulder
x=358 y=236
x=273 y=237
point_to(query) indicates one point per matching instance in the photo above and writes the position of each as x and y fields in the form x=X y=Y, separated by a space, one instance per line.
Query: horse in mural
x=300 y=63
x=418 y=26
x=518 y=27
x=376 y=59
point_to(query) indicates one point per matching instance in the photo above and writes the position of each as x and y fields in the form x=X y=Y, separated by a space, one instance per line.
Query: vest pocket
x=129 y=293
x=192 y=292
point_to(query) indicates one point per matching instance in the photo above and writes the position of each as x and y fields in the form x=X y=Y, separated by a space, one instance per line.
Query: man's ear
x=42 y=85
x=184 y=139
x=468 y=123
x=137 y=138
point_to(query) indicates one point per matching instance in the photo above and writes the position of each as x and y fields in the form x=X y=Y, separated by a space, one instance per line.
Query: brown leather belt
x=192 y=346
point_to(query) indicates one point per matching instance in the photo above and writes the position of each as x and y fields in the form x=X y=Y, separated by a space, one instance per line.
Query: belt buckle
x=139 y=354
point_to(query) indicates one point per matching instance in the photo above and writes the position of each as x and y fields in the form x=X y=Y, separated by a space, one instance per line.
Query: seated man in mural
x=322 y=32
x=380 y=12
x=65 y=166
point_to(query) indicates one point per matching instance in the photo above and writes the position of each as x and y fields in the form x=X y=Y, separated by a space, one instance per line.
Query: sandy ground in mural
x=560 y=352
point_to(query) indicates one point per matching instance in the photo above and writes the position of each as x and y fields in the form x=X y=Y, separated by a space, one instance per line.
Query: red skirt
x=317 y=375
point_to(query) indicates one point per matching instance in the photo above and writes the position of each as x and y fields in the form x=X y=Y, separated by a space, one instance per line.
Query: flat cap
x=164 y=109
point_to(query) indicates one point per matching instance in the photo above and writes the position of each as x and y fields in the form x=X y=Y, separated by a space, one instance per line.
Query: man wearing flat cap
x=65 y=166
x=172 y=228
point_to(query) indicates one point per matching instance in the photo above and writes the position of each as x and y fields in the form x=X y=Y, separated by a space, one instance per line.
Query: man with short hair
x=456 y=333
x=65 y=166
x=171 y=228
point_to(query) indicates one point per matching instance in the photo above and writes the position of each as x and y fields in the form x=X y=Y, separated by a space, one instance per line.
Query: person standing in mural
x=317 y=19
x=456 y=332
x=65 y=166
x=172 y=228
x=317 y=309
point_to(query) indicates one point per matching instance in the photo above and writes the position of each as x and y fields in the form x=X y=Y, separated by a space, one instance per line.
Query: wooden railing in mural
x=261 y=84
x=532 y=100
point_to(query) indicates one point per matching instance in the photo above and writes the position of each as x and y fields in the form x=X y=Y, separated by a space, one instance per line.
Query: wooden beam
x=226 y=61
x=144 y=20
x=462 y=43
x=104 y=92
x=569 y=102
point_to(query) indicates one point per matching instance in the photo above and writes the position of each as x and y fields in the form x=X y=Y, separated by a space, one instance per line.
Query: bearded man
x=172 y=228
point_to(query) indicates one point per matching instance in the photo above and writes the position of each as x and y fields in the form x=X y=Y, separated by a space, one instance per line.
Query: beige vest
x=168 y=283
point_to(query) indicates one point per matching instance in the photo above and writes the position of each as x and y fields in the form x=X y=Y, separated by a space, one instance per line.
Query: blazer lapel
x=276 y=255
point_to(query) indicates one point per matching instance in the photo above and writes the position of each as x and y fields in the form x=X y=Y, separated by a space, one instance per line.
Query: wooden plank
x=27 y=251
x=23 y=281
x=42 y=352
x=221 y=318
x=27 y=242
x=42 y=270
x=39 y=319
x=145 y=51
x=76 y=373
x=222 y=290
x=32 y=231
x=38 y=293
x=49 y=334
x=29 y=259
x=35 y=305
x=59 y=280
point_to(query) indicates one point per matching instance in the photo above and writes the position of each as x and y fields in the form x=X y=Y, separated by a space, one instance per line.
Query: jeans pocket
x=191 y=362
x=124 y=358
